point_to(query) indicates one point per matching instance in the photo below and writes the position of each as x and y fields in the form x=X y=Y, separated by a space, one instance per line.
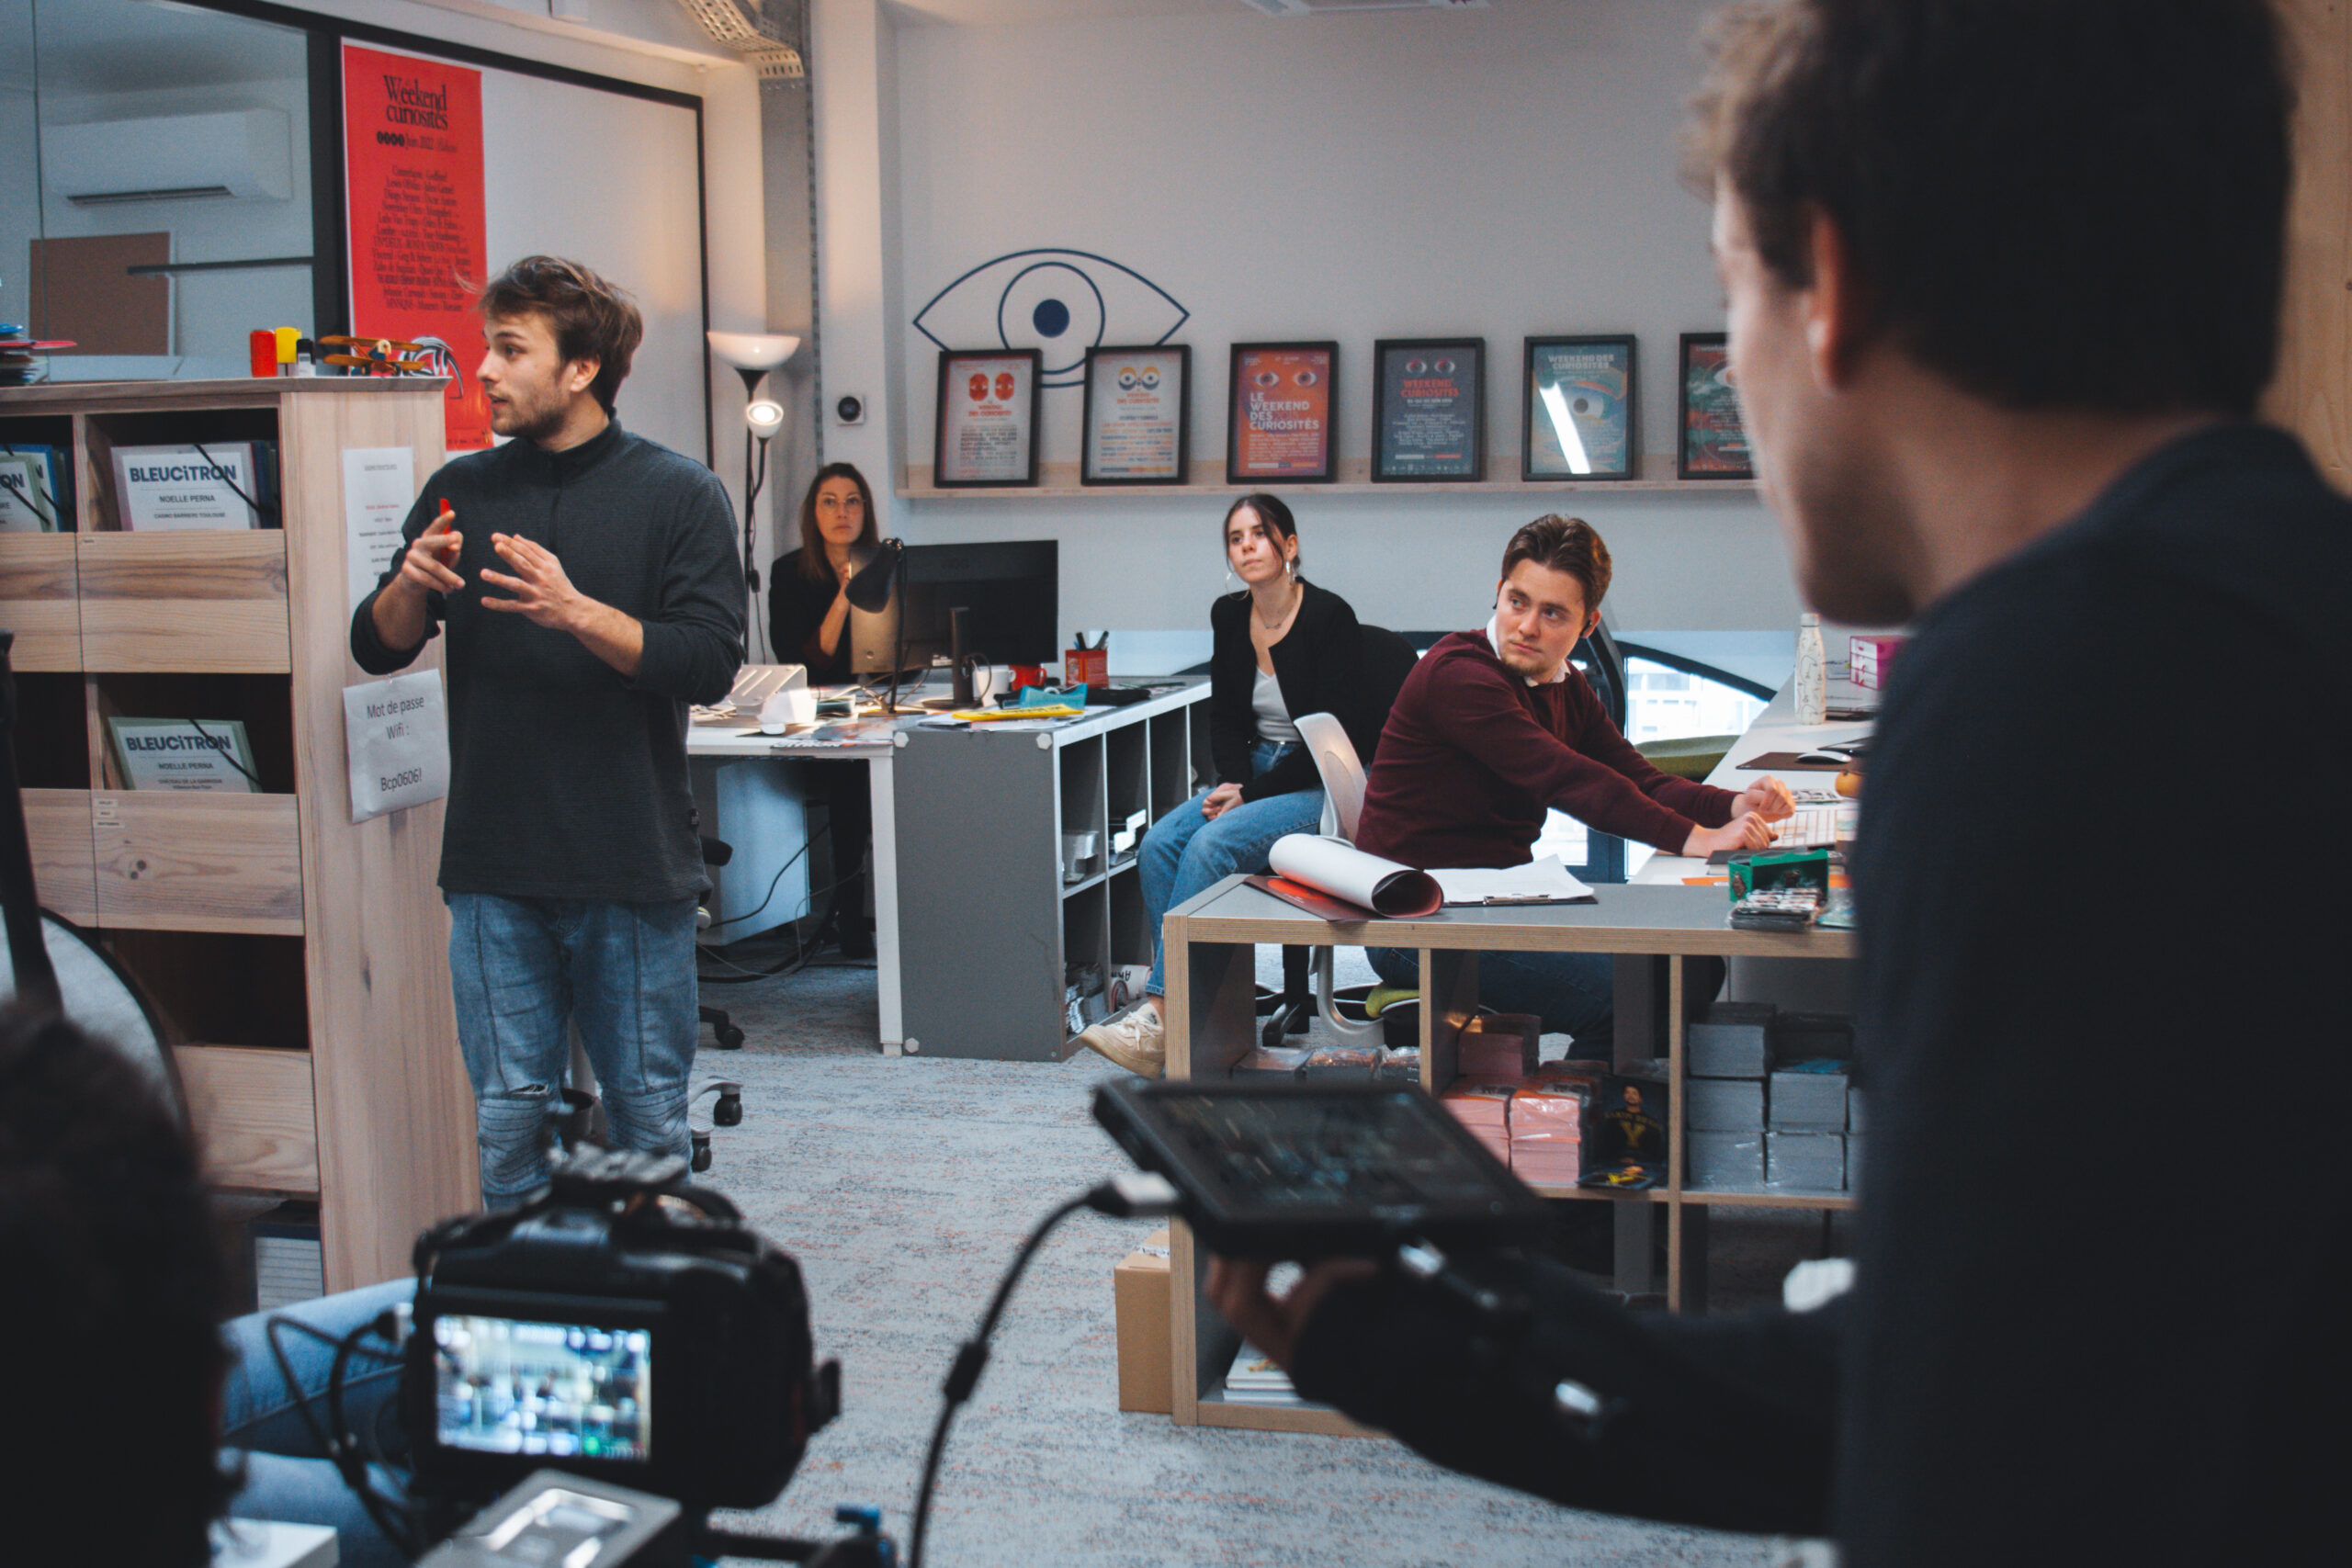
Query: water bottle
x=1813 y=673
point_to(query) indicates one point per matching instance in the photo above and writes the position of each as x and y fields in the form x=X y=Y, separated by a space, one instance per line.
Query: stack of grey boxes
x=1767 y=1100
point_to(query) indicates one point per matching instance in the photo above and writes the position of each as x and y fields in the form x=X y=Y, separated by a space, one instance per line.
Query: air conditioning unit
x=243 y=155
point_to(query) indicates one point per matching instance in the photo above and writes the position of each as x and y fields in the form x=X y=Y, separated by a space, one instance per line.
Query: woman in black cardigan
x=1283 y=647
x=809 y=624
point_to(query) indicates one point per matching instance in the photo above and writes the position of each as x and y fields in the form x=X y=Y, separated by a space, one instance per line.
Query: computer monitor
x=1010 y=590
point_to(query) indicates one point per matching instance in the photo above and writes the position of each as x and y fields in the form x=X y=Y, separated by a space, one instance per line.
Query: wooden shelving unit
x=1210 y=946
x=1059 y=481
x=300 y=960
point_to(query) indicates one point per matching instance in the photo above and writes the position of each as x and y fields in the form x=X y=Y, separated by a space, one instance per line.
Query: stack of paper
x=1545 y=881
x=1548 y=1116
x=1255 y=1380
x=1484 y=1107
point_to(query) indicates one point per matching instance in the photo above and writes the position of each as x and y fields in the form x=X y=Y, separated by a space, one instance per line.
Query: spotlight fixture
x=754 y=355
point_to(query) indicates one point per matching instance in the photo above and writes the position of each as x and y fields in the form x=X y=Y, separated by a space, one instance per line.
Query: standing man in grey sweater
x=587 y=581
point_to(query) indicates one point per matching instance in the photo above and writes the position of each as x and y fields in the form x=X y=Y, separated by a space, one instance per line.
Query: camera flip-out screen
x=1305 y=1170
x=566 y=1391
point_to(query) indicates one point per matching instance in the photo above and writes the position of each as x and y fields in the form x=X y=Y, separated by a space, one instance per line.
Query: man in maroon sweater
x=1492 y=729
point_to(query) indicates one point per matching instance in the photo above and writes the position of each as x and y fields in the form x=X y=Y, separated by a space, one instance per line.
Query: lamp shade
x=754 y=351
x=764 y=415
x=869 y=590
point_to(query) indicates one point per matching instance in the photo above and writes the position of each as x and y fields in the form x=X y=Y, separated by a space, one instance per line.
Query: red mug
x=1027 y=675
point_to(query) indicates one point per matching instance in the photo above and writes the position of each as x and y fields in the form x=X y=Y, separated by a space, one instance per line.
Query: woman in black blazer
x=1283 y=647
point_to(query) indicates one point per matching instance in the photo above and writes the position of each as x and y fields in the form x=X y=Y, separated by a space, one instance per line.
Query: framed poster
x=988 y=418
x=1581 y=419
x=1429 y=409
x=1138 y=416
x=1711 y=443
x=1280 y=401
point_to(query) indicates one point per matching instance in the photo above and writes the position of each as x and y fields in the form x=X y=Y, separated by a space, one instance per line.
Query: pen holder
x=1086 y=667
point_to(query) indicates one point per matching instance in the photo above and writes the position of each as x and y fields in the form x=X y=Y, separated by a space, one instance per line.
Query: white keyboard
x=1810 y=828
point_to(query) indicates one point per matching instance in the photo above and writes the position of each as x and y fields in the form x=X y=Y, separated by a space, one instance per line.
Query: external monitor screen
x=1012 y=590
x=567 y=1391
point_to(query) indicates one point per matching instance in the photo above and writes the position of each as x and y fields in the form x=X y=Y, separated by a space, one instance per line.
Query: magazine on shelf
x=1255 y=1380
x=210 y=484
x=185 y=754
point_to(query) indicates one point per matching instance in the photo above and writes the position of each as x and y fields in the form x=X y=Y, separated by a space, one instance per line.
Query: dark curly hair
x=116 y=1284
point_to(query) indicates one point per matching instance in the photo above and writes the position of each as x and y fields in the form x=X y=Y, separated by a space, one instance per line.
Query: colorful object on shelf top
x=379 y=355
x=18 y=367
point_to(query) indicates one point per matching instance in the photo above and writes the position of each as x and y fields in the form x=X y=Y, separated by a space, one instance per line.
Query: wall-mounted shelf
x=1059 y=481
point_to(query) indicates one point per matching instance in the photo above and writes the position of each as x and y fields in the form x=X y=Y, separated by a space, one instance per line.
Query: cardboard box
x=1503 y=1048
x=1731 y=1041
x=1805 y=1162
x=1724 y=1105
x=1870 y=659
x=1809 y=1102
x=1139 y=1300
x=1725 y=1159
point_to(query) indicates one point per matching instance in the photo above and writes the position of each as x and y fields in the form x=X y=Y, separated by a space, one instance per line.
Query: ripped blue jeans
x=524 y=968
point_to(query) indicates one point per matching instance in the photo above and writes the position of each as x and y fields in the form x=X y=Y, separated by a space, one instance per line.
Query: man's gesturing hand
x=542 y=594
x=428 y=564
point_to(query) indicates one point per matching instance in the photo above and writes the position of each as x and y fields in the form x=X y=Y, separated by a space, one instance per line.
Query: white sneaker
x=1135 y=1041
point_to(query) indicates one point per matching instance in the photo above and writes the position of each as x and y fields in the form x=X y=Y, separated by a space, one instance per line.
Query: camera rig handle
x=868 y=1548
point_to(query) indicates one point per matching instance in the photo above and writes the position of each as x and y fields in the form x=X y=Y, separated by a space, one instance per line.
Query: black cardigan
x=1316 y=664
x=797 y=608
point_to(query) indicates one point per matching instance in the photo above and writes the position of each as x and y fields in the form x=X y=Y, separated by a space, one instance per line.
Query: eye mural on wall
x=1058 y=302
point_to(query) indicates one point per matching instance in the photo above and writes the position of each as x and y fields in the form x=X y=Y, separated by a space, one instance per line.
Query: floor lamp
x=754 y=355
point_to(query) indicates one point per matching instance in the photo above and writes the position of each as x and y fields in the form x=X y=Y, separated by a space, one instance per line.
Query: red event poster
x=412 y=133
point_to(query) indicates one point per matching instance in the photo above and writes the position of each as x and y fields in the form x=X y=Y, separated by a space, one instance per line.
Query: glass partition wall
x=155 y=190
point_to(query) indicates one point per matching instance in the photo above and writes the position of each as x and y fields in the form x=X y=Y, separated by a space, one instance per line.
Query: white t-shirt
x=1274 y=716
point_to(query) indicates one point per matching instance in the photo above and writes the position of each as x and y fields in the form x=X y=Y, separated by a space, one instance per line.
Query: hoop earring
x=1291 y=567
x=1228 y=579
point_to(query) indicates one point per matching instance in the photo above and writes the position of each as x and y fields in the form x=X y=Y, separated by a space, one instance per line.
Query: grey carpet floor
x=904 y=1187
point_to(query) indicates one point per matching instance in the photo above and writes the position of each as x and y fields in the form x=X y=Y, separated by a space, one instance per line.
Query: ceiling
x=127 y=46
x=974 y=13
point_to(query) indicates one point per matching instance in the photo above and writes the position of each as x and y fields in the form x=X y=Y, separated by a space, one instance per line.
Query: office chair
x=716 y=852
x=1385 y=660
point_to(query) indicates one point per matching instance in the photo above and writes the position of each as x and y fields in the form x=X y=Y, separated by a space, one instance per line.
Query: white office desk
x=1775 y=729
x=730 y=741
x=975 y=924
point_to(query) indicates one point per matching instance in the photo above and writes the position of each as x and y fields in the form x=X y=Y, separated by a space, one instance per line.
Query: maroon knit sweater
x=1472 y=755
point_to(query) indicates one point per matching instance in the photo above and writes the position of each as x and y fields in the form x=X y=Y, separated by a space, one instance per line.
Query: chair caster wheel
x=730 y=1038
x=729 y=1112
x=701 y=1160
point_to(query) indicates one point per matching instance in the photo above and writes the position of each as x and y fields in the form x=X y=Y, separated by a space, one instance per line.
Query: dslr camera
x=623 y=1325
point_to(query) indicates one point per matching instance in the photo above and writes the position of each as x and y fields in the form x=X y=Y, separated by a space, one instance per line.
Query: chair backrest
x=1383 y=659
x=1335 y=759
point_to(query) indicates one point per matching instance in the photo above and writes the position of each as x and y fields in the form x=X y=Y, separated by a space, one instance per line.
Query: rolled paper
x=1339 y=868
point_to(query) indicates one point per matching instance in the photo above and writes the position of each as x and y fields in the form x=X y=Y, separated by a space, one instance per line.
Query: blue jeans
x=522 y=968
x=288 y=1478
x=1184 y=852
x=1574 y=993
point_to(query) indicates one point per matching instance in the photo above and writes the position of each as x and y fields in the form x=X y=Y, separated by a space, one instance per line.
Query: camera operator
x=2003 y=280
x=122 y=1382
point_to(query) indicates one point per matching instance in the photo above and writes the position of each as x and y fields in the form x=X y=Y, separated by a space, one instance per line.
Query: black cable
x=226 y=755
x=221 y=470
x=393 y=1517
x=972 y=1358
x=772 y=884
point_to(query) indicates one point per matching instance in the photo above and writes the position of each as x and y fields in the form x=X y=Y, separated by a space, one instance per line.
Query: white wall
x=1496 y=173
